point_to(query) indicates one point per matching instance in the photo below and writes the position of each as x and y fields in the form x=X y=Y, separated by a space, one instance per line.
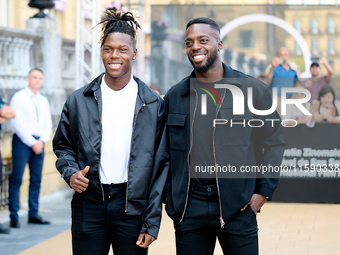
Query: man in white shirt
x=32 y=128
x=109 y=152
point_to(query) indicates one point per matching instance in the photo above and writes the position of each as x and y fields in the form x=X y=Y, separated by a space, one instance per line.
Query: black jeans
x=97 y=226
x=198 y=231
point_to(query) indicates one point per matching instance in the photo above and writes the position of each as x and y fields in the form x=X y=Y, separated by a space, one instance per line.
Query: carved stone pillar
x=51 y=52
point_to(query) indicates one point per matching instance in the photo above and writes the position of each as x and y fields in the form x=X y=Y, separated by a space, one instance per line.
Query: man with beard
x=204 y=201
x=317 y=81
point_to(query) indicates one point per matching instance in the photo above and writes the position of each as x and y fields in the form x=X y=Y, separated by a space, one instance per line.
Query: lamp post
x=41 y=5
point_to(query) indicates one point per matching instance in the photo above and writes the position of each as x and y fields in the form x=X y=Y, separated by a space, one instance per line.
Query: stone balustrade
x=22 y=50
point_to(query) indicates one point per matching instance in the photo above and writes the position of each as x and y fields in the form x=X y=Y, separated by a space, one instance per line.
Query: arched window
x=314 y=46
x=297 y=49
x=330 y=26
x=4 y=10
x=331 y=49
x=297 y=25
x=314 y=26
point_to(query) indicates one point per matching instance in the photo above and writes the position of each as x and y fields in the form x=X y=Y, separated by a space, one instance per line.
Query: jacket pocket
x=177 y=131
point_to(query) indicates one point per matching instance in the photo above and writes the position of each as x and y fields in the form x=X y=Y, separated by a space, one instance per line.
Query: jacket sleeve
x=152 y=214
x=272 y=148
x=64 y=146
x=165 y=144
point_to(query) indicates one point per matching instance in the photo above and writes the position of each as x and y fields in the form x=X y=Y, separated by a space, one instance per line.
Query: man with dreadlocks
x=109 y=152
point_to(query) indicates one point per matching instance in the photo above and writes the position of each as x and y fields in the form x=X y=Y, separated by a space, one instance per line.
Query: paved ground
x=55 y=207
x=285 y=229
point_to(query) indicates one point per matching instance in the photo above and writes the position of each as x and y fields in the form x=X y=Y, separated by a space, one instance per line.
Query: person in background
x=316 y=82
x=263 y=79
x=157 y=89
x=282 y=73
x=32 y=128
x=6 y=113
x=326 y=109
x=283 y=60
x=294 y=113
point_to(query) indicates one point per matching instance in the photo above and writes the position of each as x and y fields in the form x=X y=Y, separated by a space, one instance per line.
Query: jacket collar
x=144 y=93
x=93 y=86
x=229 y=75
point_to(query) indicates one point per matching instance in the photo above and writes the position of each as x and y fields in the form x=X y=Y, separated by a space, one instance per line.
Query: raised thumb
x=85 y=170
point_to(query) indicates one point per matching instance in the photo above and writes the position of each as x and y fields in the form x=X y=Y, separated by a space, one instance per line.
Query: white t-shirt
x=117 y=124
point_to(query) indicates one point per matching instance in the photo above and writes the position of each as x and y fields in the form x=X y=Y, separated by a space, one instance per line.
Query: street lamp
x=41 y=5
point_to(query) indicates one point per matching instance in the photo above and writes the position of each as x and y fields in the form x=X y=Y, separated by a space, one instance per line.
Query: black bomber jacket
x=77 y=143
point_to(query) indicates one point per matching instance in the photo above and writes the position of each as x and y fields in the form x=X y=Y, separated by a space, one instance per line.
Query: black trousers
x=97 y=226
x=198 y=231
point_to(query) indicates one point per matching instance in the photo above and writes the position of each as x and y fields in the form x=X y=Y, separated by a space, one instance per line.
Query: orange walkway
x=285 y=229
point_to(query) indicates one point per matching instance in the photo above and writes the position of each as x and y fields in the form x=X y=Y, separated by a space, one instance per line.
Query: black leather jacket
x=77 y=143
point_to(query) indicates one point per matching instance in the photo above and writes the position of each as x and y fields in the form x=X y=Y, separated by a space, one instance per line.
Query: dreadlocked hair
x=119 y=22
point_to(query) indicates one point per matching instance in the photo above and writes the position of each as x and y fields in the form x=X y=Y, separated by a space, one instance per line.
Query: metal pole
x=95 y=56
x=141 y=45
x=78 y=50
x=270 y=29
x=83 y=36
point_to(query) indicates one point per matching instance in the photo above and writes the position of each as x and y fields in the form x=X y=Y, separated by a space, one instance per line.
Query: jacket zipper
x=133 y=130
x=100 y=148
x=218 y=187
x=191 y=136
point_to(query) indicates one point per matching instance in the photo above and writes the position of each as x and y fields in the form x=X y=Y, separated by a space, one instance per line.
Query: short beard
x=204 y=68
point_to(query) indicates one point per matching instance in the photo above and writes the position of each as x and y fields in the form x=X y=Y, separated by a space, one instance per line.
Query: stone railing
x=41 y=46
x=38 y=46
x=22 y=50
x=16 y=51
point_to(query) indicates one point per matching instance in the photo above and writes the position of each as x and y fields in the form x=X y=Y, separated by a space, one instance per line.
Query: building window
x=314 y=46
x=297 y=49
x=330 y=26
x=246 y=39
x=310 y=2
x=331 y=49
x=4 y=10
x=327 y=1
x=294 y=1
x=297 y=25
x=314 y=26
